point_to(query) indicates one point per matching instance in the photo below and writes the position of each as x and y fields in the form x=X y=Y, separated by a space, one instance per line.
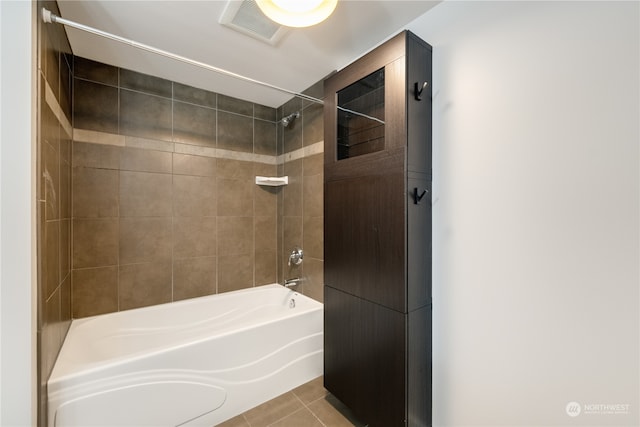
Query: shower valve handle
x=295 y=257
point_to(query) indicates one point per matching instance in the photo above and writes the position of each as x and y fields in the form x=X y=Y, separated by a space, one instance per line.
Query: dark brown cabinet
x=377 y=196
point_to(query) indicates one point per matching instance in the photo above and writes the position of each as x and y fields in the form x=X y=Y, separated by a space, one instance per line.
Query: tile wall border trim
x=301 y=153
x=104 y=138
x=54 y=105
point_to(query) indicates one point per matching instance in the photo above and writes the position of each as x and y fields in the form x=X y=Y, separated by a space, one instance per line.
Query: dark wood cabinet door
x=365 y=358
x=365 y=249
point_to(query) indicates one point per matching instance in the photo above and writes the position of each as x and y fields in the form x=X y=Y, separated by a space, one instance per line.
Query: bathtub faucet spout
x=292 y=282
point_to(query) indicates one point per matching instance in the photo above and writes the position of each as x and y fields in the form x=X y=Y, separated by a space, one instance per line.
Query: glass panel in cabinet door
x=361 y=117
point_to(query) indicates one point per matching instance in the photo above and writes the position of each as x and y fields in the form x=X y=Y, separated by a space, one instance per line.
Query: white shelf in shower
x=272 y=181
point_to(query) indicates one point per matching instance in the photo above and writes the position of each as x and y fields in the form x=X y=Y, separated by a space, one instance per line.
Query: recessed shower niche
x=377 y=268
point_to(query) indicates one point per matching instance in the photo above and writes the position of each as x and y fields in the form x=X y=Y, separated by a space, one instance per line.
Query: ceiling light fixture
x=297 y=13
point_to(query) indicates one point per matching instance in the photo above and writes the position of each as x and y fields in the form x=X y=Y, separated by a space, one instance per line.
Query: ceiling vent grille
x=246 y=17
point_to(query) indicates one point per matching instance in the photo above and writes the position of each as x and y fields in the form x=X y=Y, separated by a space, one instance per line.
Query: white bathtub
x=190 y=363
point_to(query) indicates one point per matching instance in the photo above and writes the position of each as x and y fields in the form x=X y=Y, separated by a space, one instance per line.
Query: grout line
x=217 y=184
x=119 y=207
x=173 y=236
x=290 y=414
x=309 y=409
x=85 y=79
x=173 y=201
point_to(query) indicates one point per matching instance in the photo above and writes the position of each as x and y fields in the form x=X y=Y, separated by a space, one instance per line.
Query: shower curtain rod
x=51 y=18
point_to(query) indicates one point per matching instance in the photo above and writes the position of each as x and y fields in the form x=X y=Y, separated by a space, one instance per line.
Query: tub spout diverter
x=292 y=282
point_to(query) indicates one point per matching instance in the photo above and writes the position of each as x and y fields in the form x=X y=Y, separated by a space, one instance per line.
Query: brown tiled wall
x=53 y=192
x=161 y=215
x=300 y=205
x=141 y=209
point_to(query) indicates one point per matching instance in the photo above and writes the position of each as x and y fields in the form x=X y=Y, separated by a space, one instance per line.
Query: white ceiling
x=191 y=29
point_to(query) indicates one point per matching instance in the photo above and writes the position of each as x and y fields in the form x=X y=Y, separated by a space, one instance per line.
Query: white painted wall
x=536 y=211
x=17 y=277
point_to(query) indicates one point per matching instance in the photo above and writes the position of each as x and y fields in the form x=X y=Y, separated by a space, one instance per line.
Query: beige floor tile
x=238 y=421
x=273 y=410
x=313 y=390
x=309 y=405
x=300 y=418
x=333 y=413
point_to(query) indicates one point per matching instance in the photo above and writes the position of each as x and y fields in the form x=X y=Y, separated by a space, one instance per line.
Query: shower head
x=286 y=121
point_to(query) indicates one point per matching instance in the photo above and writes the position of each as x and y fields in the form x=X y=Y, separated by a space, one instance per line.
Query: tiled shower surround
x=53 y=197
x=300 y=205
x=164 y=201
x=146 y=192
